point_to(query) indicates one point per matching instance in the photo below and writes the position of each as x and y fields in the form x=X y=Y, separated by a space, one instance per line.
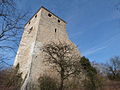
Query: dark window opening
x=59 y=21
x=35 y=16
x=30 y=29
x=29 y=22
x=17 y=67
x=49 y=15
x=55 y=30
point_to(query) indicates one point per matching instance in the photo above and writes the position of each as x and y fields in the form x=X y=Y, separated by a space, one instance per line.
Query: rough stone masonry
x=42 y=28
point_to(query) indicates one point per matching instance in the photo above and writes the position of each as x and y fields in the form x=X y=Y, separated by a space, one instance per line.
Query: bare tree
x=11 y=27
x=63 y=59
x=113 y=68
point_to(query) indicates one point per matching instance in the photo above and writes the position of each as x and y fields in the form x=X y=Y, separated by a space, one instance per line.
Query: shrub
x=10 y=79
x=47 y=83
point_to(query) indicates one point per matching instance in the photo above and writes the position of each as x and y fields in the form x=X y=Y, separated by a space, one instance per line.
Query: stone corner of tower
x=40 y=9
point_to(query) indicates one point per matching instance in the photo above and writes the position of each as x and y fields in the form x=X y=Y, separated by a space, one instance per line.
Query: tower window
x=35 y=16
x=29 y=22
x=55 y=30
x=18 y=65
x=30 y=29
x=49 y=15
x=59 y=21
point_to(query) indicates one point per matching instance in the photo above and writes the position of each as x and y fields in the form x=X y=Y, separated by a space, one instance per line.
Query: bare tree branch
x=11 y=25
x=113 y=68
x=63 y=59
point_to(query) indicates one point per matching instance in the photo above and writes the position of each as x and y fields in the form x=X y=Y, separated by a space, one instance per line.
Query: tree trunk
x=61 y=84
x=62 y=79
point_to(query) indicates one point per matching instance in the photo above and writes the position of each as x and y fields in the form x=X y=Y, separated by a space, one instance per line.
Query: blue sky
x=93 y=25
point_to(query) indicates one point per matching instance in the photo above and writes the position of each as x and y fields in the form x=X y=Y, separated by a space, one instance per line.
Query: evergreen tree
x=92 y=81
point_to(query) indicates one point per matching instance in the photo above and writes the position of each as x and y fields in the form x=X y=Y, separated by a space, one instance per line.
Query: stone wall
x=44 y=27
x=26 y=47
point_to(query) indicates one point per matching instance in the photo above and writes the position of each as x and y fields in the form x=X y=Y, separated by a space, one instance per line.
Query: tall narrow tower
x=42 y=28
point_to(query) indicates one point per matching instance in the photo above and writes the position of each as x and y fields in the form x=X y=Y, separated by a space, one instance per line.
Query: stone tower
x=42 y=28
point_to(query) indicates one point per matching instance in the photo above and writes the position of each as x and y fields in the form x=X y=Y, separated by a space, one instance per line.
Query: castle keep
x=42 y=28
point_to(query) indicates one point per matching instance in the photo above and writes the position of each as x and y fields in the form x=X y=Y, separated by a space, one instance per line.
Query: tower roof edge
x=46 y=10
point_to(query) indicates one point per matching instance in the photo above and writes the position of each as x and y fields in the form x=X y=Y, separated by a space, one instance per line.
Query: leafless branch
x=63 y=59
x=11 y=25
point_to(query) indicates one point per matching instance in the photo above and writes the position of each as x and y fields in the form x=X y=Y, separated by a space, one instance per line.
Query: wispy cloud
x=93 y=50
x=75 y=34
x=101 y=46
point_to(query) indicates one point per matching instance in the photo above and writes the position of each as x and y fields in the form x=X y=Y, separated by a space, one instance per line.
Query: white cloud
x=93 y=50
x=101 y=46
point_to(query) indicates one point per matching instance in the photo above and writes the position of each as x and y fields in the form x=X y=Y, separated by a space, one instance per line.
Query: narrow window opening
x=49 y=15
x=17 y=67
x=35 y=16
x=29 y=22
x=30 y=30
x=59 y=21
x=55 y=30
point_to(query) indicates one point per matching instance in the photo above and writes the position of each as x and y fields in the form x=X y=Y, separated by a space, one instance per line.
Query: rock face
x=42 y=28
